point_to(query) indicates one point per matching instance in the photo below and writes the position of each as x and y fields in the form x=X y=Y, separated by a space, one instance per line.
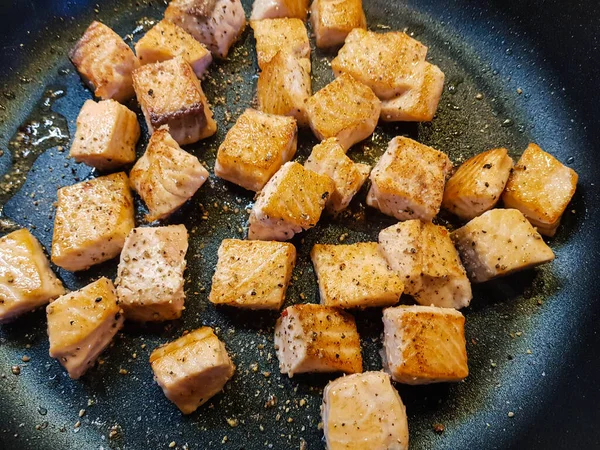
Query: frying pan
x=532 y=339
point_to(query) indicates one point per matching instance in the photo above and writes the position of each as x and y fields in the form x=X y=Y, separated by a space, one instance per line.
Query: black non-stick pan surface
x=516 y=71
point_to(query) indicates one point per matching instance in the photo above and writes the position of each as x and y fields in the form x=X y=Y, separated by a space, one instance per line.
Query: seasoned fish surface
x=332 y=20
x=272 y=9
x=280 y=35
x=105 y=62
x=26 y=279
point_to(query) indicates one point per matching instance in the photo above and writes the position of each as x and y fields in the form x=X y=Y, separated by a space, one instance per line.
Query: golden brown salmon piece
x=364 y=411
x=275 y=35
x=105 y=62
x=408 y=181
x=192 y=369
x=215 y=23
x=166 y=41
x=332 y=20
x=329 y=158
x=170 y=94
x=541 y=188
x=26 y=279
x=284 y=85
x=272 y=9
x=424 y=344
x=92 y=220
x=252 y=274
x=345 y=109
x=500 y=242
x=150 y=276
x=425 y=259
x=315 y=338
x=292 y=201
x=355 y=276
x=255 y=148
x=82 y=324
x=106 y=135
x=166 y=176
x=478 y=183
x=420 y=102
x=383 y=61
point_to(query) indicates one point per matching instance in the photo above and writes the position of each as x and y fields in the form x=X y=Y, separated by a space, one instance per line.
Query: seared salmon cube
x=424 y=344
x=252 y=274
x=170 y=94
x=385 y=62
x=26 y=279
x=541 y=188
x=105 y=62
x=275 y=35
x=364 y=411
x=424 y=257
x=106 y=135
x=329 y=158
x=192 y=369
x=420 y=102
x=166 y=176
x=150 y=275
x=166 y=40
x=255 y=148
x=478 y=183
x=272 y=9
x=408 y=181
x=92 y=220
x=284 y=86
x=82 y=324
x=332 y=20
x=292 y=201
x=315 y=338
x=215 y=23
x=500 y=242
x=355 y=276
x=345 y=109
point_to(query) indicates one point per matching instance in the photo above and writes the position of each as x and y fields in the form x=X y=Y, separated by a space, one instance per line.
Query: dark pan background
x=547 y=374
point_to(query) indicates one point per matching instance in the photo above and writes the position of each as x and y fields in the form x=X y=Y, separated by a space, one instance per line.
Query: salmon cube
x=355 y=276
x=329 y=158
x=92 y=220
x=364 y=411
x=345 y=109
x=166 y=176
x=284 y=86
x=252 y=274
x=425 y=259
x=150 y=275
x=541 y=188
x=272 y=9
x=26 y=279
x=408 y=181
x=424 y=344
x=385 y=62
x=478 y=183
x=192 y=369
x=315 y=338
x=275 y=35
x=292 y=201
x=105 y=62
x=166 y=41
x=332 y=20
x=255 y=148
x=215 y=23
x=106 y=135
x=82 y=324
x=420 y=102
x=170 y=94
x=500 y=242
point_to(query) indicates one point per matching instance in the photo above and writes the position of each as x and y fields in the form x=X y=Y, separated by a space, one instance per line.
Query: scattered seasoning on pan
x=232 y=422
x=439 y=428
x=26 y=358
x=81 y=412
x=16 y=370
x=173 y=444
x=511 y=414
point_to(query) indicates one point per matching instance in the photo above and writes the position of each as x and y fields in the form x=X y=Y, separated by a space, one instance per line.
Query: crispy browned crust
x=196 y=111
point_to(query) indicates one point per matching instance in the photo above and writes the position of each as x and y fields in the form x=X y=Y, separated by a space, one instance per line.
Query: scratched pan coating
x=531 y=336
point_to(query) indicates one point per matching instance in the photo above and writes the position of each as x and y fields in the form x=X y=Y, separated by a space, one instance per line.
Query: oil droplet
x=43 y=411
x=570 y=159
x=507 y=123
